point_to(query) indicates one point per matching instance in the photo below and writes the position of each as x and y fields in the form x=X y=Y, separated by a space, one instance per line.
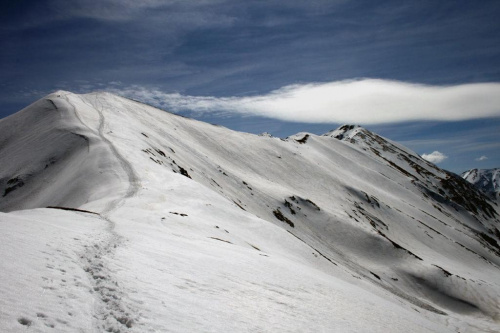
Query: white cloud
x=482 y=158
x=435 y=157
x=365 y=101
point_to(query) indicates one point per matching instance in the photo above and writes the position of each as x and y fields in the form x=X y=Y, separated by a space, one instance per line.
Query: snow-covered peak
x=368 y=141
x=158 y=217
x=345 y=132
x=487 y=180
x=53 y=154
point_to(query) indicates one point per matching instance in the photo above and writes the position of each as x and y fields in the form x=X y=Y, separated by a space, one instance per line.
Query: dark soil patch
x=304 y=139
x=72 y=209
x=161 y=152
x=222 y=240
x=490 y=240
x=446 y=273
x=237 y=204
x=397 y=246
x=24 y=321
x=180 y=214
x=13 y=184
x=279 y=215
x=289 y=205
x=255 y=247
x=313 y=204
x=184 y=172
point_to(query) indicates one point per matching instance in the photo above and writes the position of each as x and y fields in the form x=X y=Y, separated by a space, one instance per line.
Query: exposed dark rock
x=304 y=139
x=184 y=172
x=279 y=215
x=13 y=184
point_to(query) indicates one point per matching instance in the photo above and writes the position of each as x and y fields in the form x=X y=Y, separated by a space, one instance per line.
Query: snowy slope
x=56 y=155
x=184 y=226
x=487 y=180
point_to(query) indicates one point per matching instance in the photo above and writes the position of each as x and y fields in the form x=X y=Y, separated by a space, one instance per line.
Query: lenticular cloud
x=366 y=101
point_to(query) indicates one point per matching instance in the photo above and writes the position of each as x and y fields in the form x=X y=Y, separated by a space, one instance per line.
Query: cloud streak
x=190 y=14
x=365 y=101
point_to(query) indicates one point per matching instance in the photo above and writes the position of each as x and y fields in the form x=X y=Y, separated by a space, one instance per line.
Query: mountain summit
x=121 y=217
x=487 y=180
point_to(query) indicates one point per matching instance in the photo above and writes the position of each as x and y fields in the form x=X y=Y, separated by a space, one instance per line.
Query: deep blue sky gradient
x=240 y=48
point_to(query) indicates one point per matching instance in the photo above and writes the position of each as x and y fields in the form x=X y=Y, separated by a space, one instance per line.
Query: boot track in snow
x=112 y=314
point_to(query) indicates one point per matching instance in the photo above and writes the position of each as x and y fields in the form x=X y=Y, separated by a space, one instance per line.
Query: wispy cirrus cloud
x=114 y=10
x=482 y=158
x=364 y=101
x=435 y=157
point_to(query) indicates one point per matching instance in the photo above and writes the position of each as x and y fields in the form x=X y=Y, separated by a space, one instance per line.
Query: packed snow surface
x=121 y=217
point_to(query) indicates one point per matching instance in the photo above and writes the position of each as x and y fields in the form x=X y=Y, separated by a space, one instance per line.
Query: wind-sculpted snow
x=205 y=229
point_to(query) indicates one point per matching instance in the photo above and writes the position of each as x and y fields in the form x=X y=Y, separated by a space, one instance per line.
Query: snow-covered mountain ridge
x=200 y=228
x=487 y=180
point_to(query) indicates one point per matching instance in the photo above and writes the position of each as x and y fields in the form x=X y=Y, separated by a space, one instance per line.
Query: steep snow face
x=52 y=154
x=207 y=229
x=487 y=180
x=433 y=181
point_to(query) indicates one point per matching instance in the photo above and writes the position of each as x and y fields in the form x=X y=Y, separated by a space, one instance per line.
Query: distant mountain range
x=487 y=180
x=121 y=217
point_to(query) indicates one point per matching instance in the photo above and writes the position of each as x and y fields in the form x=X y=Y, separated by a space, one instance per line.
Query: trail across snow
x=133 y=179
x=111 y=309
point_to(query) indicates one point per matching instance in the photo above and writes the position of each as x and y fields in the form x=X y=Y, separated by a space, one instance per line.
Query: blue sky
x=424 y=73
